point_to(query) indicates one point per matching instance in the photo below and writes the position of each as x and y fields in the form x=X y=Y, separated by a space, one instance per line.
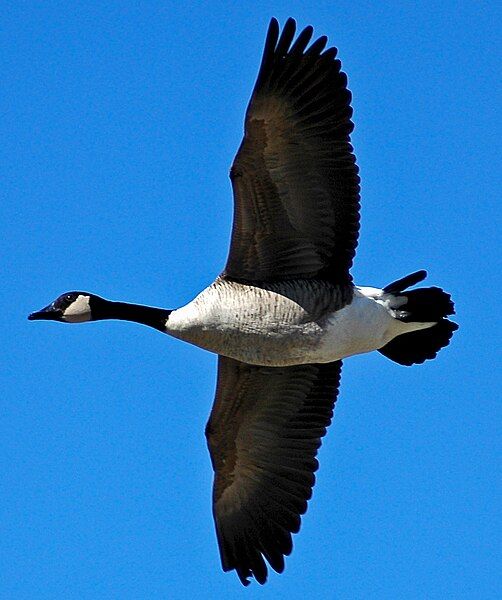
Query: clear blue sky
x=119 y=123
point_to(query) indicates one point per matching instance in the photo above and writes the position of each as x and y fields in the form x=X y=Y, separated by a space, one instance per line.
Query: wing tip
x=273 y=25
x=283 y=40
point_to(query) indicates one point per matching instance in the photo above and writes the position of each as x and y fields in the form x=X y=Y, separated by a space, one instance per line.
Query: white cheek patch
x=79 y=310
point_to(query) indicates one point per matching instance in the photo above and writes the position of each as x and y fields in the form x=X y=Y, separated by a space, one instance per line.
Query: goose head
x=71 y=307
x=81 y=307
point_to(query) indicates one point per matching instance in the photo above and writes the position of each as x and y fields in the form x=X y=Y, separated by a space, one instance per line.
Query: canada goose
x=284 y=312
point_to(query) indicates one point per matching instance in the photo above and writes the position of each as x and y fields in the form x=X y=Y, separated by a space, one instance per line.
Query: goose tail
x=431 y=304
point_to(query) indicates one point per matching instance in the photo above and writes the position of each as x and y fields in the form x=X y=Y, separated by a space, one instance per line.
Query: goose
x=284 y=312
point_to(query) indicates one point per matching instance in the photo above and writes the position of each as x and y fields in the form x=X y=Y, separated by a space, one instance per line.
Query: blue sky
x=119 y=123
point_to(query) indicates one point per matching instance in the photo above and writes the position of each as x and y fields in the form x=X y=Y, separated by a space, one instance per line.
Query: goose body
x=289 y=323
x=284 y=312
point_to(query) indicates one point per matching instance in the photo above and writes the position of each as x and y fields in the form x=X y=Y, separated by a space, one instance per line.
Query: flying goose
x=284 y=312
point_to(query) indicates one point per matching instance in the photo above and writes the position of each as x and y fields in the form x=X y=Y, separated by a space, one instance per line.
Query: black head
x=80 y=307
x=72 y=307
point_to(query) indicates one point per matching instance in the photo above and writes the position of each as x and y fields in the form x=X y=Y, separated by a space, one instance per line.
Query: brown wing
x=263 y=435
x=295 y=181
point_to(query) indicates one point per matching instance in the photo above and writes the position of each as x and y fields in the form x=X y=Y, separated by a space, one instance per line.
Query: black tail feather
x=405 y=282
x=424 y=305
x=419 y=346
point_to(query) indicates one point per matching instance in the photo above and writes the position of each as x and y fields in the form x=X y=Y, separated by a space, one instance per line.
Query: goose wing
x=263 y=435
x=294 y=178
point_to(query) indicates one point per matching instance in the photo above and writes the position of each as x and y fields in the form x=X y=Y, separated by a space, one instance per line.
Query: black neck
x=146 y=315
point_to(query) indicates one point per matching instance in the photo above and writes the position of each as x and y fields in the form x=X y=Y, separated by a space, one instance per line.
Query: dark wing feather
x=295 y=181
x=263 y=435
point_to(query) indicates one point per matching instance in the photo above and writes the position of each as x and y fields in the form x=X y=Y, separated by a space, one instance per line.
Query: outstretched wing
x=295 y=181
x=263 y=435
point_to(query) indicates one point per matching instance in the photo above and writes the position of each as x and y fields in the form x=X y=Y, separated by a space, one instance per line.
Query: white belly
x=362 y=326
